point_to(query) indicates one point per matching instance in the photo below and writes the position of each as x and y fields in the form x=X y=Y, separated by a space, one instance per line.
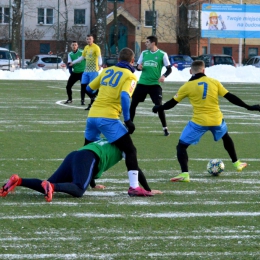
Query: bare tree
x=100 y=15
x=4 y=34
x=183 y=37
x=16 y=25
x=65 y=34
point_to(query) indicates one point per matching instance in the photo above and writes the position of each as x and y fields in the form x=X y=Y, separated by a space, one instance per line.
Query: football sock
x=53 y=186
x=19 y=181
x=133 y=178
x=34 y=184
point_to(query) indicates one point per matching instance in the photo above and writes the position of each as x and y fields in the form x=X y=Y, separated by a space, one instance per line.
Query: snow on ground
x=223 y=73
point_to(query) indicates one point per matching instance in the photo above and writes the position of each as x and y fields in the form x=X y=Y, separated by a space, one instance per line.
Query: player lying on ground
x=78 y=170
x=203 y=93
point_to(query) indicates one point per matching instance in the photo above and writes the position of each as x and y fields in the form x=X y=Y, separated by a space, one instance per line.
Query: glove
x=157 y=108
x=254 y=108
x=130 y=126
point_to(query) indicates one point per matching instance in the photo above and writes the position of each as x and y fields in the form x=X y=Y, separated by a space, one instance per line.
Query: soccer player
x=116 y=85
x=92 y=55
x=151 y=63
x=75 y=72
x=203 y=93
x=78 y=170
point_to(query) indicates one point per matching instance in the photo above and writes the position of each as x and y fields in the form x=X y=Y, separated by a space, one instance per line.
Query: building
x=45 y=24
x=49 y=25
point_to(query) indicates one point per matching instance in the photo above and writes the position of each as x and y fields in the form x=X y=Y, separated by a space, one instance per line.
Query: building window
x=227 y=50
x=45 y=48
x=204 y=50
x=45 y=16
x=79 y=16
x=252 y=52
x=149 y=15
x=4 y=14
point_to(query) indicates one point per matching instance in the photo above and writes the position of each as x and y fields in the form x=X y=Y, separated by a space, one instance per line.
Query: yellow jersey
x=203 y=95
x=111 y=82
x=91 y=54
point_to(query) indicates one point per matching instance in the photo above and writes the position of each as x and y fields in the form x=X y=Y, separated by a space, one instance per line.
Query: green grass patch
x=208 y=218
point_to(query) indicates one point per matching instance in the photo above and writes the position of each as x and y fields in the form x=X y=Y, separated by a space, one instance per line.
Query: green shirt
x=108 y=154
x=153 y=63
x=78 y=67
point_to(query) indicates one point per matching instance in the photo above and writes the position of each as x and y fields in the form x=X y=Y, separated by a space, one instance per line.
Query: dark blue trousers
x=73 y=175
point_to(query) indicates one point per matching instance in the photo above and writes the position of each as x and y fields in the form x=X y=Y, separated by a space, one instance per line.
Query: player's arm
x=168 y=66
x=92 y=183
x=125 y=104
x=99 y=62
x=166 y=106
x=78 y=60
x=68 y=64
x=238 y=102
x=139 y=65
x=93 y=86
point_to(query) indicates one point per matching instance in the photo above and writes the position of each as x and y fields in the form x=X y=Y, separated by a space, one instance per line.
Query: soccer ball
x=215 y=167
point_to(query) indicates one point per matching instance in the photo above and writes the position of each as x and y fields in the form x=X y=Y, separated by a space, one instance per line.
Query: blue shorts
x=87 y=77
x=192 y=132
x=112 y=129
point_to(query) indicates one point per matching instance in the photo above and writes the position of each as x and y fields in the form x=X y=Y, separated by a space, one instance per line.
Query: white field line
x=209 y=180
x=142 y=160
x=61 y=103
x=133 y=237
x=103 y=256
x=130 y=203
x=147 y=215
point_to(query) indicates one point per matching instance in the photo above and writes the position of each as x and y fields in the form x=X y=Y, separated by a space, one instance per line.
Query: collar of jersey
x=125 y=65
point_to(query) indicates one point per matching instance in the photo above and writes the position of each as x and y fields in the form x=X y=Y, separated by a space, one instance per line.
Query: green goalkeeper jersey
x=78 y=67
x=108 y=154
x=153 y=63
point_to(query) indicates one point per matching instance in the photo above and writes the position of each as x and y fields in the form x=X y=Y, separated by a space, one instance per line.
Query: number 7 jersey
x=203 y=94
x=111 y=82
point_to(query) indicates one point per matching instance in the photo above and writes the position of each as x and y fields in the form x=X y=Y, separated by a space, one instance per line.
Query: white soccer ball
x=215 y=167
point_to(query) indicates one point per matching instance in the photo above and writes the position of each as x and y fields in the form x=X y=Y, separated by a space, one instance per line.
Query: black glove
x=130 y=126
x=254 y=108
x=157 y=108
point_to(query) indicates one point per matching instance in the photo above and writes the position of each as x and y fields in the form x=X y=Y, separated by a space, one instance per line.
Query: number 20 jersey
x=111 y=82
x=203 y=94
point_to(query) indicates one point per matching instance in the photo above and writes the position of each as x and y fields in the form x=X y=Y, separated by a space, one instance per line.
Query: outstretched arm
x=238 y=102
x=81 y=58
x=166 y=106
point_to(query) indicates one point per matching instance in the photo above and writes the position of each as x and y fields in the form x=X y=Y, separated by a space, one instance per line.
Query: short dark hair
x=153 y=38
x=197 y=66
x=90 y=35
x=126 y=54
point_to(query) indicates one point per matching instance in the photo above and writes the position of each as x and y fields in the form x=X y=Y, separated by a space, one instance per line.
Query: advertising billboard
x=230 y=21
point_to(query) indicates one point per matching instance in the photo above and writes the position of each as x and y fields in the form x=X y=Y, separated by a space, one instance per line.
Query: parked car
x=254 y=61
x=217 y=59
x=6 y=61
x=194 y=57
x=16 y=59
x=46 y=62
x=180 y=61
x=109 y=61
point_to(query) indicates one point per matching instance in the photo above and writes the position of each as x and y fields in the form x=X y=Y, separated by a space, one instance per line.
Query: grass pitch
x=208 y=218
